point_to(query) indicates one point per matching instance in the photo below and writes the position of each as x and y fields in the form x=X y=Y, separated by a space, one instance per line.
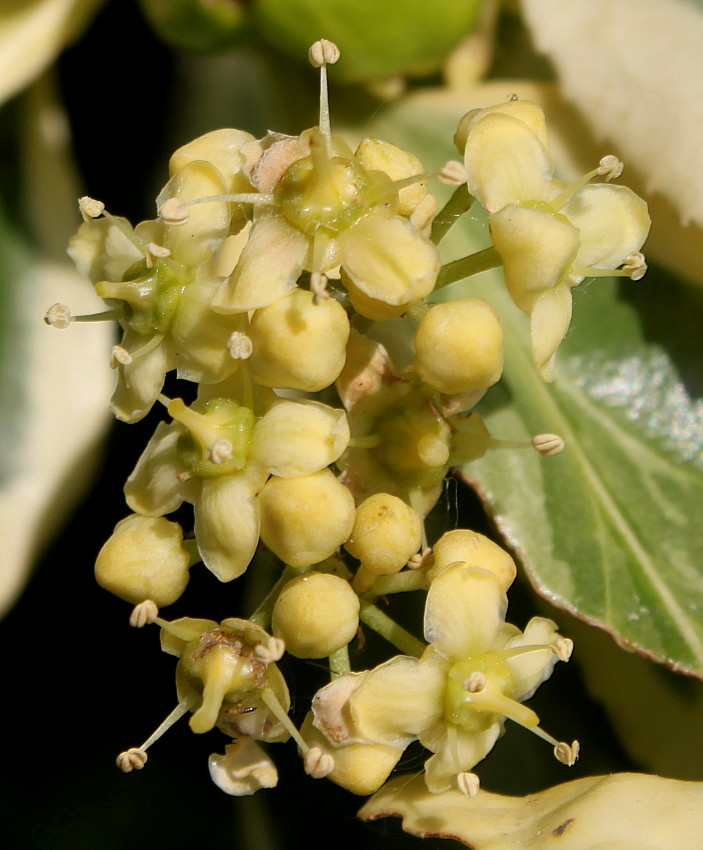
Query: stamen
x=135 y=758
x=58 y=316
x=566 y=754
x=476 y=682
x=321 y=54
x=119 y=356
x=635 y=265
x=452 y=173
x=423 y=559
x=382 y=192
x=317 y=764
x=548 y=444
x=240 y=346
x=468 y=783
x=610 y=167
x=147 y=348
x=221 y=451
x=155 y=252
x=90 y=208
x=173 y=212
x=143 y=614
x=243 y=198
x=563 y=648
x=275 y=707
x=132 y=759
x=318 y=286
x=270 y=650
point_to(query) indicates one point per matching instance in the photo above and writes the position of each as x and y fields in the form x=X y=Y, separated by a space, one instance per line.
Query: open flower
x=549 y=236
x=160 y=277
x=476 y=671
x=218 y=456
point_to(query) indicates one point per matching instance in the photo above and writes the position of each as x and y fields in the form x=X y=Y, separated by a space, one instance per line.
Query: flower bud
x=474 y=550
x=144 y=559
x=304 y=520
x=316 y=614
x=459 y=346
x=387 y=533
x=299 y=344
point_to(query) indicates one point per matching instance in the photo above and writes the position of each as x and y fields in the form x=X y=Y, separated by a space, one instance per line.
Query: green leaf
x=608 y=530
x=624 y=810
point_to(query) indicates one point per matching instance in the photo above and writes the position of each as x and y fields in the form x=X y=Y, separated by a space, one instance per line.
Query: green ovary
x=215 y=420
x=477 y=710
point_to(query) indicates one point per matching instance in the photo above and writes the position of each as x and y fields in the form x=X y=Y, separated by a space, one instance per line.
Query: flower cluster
x=264 y=280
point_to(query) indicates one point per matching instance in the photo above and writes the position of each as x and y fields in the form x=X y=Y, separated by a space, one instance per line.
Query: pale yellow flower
x=549 y=236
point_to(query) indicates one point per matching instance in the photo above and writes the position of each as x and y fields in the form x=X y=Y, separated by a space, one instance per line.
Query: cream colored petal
x=537 y=249
x=398 y=701
x=613 y=222
x=523 y=110
x=268 y=268
x=387 y=259
x=221 y=148
x=465 y=608
x=227 y=525
x=456 y=752
x=140 y=382
x=533 y=668
x=506 y=163
x=182 y=631
x=299 y=437
x=549 y=323
x=200 y=335
x=101 y=251
x=360 y=768
x=243 y=769
x=154 y=488
x=331 y=711
x=377 y=155
x=208 y=224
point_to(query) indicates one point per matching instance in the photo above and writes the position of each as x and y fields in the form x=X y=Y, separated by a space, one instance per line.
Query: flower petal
x=613 y=222
x=457 y=751
x=399 y=701
x=268 y=268
x=537 y=248
x=243 y=769
x=154 y=488
x=464 y=611
x=533 y=668
x=227 y=525
x=506 y=163
x=140 y=382
x=549 y=322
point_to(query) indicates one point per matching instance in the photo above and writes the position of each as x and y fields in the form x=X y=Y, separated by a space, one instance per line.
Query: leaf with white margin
x=608 y=530
x=623 y=811
x=33 y=33
x=634 y=69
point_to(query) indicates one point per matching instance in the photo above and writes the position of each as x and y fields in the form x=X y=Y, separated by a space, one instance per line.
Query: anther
x=58 y=316
x=566 y=754
x=563 y=648
x=475 y=682
x=452 y=173
x=318 y=286
x=132 y=759
x=155 y=252
x=143 y=614
x=422 y=559
x=548 y=444
x=323 y=52
x=173 y=212
x=119 y=356
x=318 y=764
x=468 y=784
x=635 y=265
x=240 y=346
x=270 y=650
x=220 y=451
x=90 y=208
x=610 y=167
